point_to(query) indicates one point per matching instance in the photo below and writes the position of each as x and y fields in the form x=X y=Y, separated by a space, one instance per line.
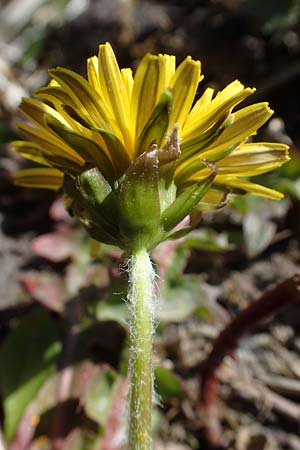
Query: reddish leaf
x=45 y=288
x=58 y=211
x=113 y=436
x=55 y=247
x=164 y=253
x=31 y=417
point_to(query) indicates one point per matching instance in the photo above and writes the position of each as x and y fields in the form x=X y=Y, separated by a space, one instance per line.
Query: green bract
x=141 y=209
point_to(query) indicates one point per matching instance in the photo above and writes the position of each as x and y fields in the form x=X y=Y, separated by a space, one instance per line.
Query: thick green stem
x=140 y=299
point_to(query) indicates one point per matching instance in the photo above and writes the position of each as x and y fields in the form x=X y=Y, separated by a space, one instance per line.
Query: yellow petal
x=38 y=154
x=39 y=113
x=184 y=84
x=114 y=91
x=35 y=111
x=128 y=83
x=56 y=95
x=117 y=152
x=231 y=89
x=53 y=83
x=213 y=199
x=45 y=178
x=254 y=159
x=87 y=100
x=216 y=110
x=170 y=66
x=86 y=148
x=49 y=143
x=248 y=187
x=156 y=127
x=29 y=150
x=93 y=73
x=203 y=101
x=149 y=82
x=244 y=123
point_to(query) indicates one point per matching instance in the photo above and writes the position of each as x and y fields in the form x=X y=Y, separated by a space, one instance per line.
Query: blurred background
x=63 y=333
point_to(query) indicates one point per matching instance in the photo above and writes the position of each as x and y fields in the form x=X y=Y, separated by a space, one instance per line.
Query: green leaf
x=180 y=301
x=176 y=265
x=112 y=306
x=79 y=439
x=27 y=357
x=203 y=141
x=259 y=232
x=208 y=240
x=99 y=396
x=167 y=384
x=291 y=187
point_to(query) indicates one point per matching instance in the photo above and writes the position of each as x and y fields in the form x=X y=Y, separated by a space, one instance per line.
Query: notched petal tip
x=105 y=46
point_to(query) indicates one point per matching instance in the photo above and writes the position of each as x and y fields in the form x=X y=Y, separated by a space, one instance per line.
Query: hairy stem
x=140 y=298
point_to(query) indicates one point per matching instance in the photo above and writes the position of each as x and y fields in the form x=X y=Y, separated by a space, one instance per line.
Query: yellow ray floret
x=110 y=118
x=44 y=178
